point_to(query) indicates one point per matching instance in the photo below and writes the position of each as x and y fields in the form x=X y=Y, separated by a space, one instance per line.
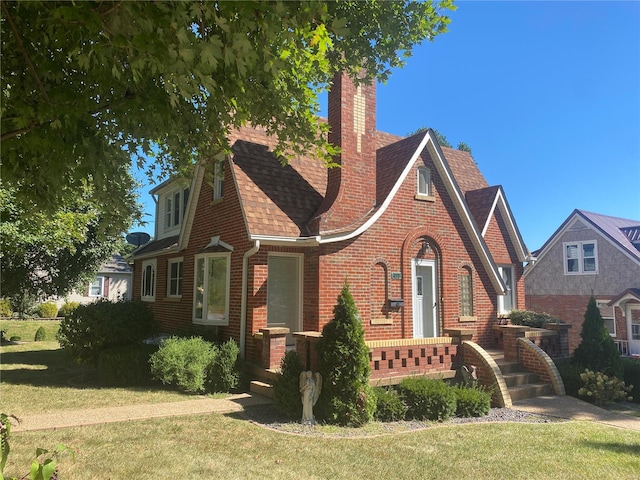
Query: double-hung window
x=96 y=287
x=580 y=258
x=608 y=315
x=211 y=298
x=174 y=283
x=175 y=206
x=148 y=293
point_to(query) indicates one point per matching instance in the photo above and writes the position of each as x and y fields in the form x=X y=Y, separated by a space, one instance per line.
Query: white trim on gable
x=500 y=201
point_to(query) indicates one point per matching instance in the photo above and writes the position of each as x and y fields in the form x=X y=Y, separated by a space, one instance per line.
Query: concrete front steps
x=520 y=383
x=263 y=385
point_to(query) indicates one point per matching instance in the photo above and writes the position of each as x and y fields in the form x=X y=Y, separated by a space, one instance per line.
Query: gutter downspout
x=243 y=302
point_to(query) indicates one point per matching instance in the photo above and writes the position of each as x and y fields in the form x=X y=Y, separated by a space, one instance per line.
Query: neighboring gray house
x=113 y=281
x=590 y=254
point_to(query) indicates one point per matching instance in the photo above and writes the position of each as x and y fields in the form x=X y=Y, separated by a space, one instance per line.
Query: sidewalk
x=126 y=413
x=554 y=406
x=571 y=408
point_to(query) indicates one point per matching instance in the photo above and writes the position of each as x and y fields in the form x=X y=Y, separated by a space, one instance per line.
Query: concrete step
x=519 y=378
x=507 y=367
x=259 y=373
x=261 y=388
x=530 y=390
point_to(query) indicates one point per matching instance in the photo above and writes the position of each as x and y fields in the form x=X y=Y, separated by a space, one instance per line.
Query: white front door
x=284 y=292
x=425 y=306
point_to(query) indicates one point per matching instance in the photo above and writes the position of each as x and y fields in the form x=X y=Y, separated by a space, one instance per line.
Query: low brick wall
x=536 y=360
x=488 y=373
x=392 y=360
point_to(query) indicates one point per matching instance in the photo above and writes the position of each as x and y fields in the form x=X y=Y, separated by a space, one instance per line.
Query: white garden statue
x=310 y=387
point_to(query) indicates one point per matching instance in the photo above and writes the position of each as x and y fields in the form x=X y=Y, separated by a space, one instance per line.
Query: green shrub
x=530 y=318
x=286 y=389
x=95 y=327
x=223 y=374
x=15 y=338
x=67 y=308
x=23 y=304
x=389 y=405
x=41 y=335
x=599 y=388
x=472 y=402
x=631 y=376
x=47 y=310
x=5 y=308
x=183 y=362
x=126 y=366
x=346 y=397
x=427 y=399
x=597 y=350
x=570 y=374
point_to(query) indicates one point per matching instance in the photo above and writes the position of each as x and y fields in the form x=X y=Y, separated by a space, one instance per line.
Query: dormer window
x=175 y=206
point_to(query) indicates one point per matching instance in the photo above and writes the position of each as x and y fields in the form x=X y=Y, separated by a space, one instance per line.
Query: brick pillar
x=562 y=329
x=510 y=339
x=459 y=335
x=274 y=346
x=306 y=346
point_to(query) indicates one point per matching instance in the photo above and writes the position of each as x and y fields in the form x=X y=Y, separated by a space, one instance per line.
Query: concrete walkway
x=555 y=406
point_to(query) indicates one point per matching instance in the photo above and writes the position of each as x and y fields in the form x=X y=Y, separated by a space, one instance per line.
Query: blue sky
x=546 y=94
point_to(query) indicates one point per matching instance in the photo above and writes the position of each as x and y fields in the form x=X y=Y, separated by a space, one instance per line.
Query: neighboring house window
x=506 y=302
x=174 y=283
x=148 y=293
x=466 y=293
x=96 y=287
x=424 y=182
x=635 y=324
x=218 y=181
x=175 y=205
x=608 y=316
x=211 y=299
x=580 y=258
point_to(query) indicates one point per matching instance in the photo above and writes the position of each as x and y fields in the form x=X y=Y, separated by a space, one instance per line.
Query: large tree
x=48 y=254
x=87 y=86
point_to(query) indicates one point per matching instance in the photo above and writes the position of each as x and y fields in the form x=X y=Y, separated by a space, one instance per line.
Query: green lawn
x=26 y=329
x=37 y=377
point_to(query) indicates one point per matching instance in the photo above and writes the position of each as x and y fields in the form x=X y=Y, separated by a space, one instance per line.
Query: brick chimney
x=351 y=189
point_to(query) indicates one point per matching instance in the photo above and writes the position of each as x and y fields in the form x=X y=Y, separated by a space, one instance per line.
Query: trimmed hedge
x=427 y=399
x=126 y=366
x=389 y=405
x=530 y=318
x=223 y=374
x=47 y=310
x=41 y=335
x=472 y=402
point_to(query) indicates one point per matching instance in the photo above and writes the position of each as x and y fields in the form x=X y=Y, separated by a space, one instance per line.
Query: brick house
x=261 y=251
x=590 y=254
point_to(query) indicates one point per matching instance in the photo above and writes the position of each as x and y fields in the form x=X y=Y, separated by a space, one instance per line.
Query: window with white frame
x=218 y=180
x=580 y=258
x=635 y=323
x=424 y=182
x=148 y=293
x=506 y=302
x=608 y=316
x=174 y=280
x=284 y=290
x=175 y=206
x=96 y=288
x=211 y=298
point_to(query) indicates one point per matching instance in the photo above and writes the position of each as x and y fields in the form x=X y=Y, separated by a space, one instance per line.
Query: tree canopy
x=89 y=86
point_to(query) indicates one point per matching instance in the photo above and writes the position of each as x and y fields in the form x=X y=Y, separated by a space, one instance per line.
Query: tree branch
x=24 y=52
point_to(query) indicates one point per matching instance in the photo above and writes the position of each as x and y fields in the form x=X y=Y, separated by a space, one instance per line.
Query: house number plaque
x=396 y=276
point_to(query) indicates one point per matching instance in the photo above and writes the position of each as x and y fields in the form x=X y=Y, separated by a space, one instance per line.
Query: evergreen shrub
x=67 y=308
x=126 y=366
x=389 y=405
x=286 y=389
x=472 y=402
x=184 y=363
x=570 y=374
x=597 y=351
x=5 y=308
x=47 y=310
x=223 y=373
x=41 y=335
x=631 y=376
x=427 y=399
x=95 y=327
x=530 y=319
x=346 y=397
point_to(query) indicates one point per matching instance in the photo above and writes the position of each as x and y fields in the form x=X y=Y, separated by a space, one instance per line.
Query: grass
x=38 y=378
x=218 y=446
x=26 y=329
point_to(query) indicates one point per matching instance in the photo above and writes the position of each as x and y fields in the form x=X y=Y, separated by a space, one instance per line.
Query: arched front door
x=425 y=305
